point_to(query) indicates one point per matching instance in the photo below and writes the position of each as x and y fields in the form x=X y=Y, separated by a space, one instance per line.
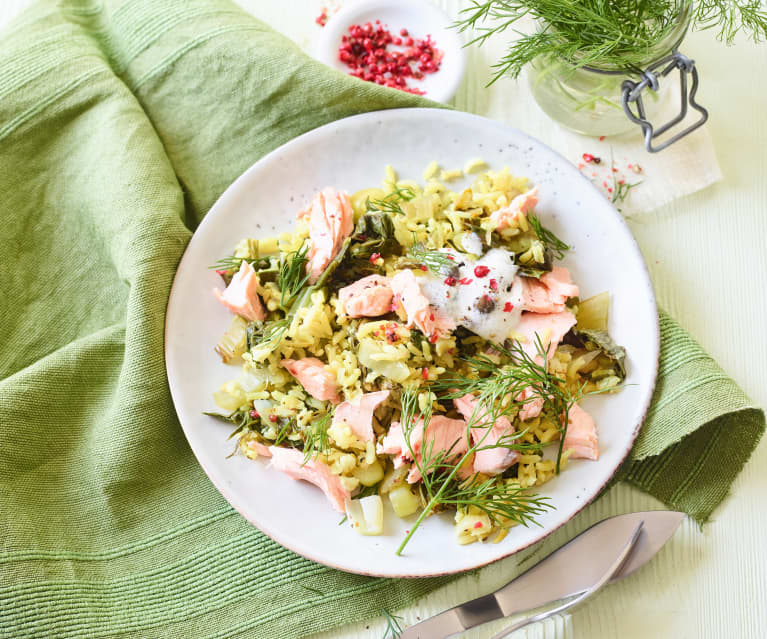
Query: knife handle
x=620 y=560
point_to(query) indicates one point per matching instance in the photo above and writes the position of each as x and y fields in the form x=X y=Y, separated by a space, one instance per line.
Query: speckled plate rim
x=381 y=116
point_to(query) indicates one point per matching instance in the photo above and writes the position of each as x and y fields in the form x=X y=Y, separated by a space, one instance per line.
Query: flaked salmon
x=241 y=296
x=331 y=221
x=291 y=462
x=532 y=406
x=407 y=293
x=357 y=414
x=369 y=297
x=442 y=434
x=549 y=327
x=581 y=434
x=314 y=376
x=260 y=448
x=523 y=203
x=549 y=293
x=493 y=460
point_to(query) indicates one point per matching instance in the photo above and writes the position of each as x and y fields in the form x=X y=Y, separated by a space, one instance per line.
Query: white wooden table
x=706 y=255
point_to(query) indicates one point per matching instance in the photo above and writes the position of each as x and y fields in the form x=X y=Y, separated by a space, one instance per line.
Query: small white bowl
x=420 y=18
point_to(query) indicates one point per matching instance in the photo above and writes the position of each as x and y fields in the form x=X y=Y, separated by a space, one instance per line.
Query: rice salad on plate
x=416 y=344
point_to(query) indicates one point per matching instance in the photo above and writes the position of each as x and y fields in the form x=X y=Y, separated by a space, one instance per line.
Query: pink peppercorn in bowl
x=404 y=44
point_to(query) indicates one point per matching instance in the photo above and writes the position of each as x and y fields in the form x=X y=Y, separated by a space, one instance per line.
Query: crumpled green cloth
x=120 y=125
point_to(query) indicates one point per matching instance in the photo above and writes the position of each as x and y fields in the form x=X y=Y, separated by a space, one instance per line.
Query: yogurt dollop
x=480 y=295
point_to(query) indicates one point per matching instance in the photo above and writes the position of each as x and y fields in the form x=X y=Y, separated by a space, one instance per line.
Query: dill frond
x=393 y=628
x=550 y=241
x=619 y=33
x=293 y=276
x=390 y=202
x=316 y=438
x=437 y=262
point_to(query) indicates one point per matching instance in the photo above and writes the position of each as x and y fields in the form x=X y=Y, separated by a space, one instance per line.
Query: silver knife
x=570 y=570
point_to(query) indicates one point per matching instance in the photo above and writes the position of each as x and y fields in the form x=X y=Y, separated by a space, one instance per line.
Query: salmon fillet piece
x=550 y=327
x=523 y=203
x=241 y=296
x=494 y=460
x=357 y=414
x=442 y=434
x=549 y=293
x=581 y=434
x=369 y=297
x=331 y=221
x=432 y=322
x=314 y=376
x=291 y=462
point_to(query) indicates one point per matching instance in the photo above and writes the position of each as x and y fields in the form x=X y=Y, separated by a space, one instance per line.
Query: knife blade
x=568 y=571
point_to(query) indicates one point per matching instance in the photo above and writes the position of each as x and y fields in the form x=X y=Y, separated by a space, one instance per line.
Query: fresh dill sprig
x=617 y=34
x=316 y=438
x=503 y=502
x=242 y=419
x=283 y=434
x=523 y=374
x=436 y=261
x=732 y=17
x=497 y=389
x=293 y=275
x=438 y=469
x=232 y=263
x=229 y=263
x=390 y=202
x=269 y=335
x=550 y=241
x=393 y=628
x=621 y=190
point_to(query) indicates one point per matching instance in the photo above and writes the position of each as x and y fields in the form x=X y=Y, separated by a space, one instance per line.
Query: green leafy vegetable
x=267 y=334
x=283 y=434
x=373 y=233
x=531 y=271
x=599 y=340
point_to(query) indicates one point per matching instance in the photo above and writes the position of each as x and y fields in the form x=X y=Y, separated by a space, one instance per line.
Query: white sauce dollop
x=490 y=305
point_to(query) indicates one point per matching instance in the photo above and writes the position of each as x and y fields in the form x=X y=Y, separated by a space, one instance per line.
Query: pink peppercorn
x=481 y=270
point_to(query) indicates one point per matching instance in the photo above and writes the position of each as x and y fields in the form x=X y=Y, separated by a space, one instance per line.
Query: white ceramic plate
x=350 y=154
x=421 y=19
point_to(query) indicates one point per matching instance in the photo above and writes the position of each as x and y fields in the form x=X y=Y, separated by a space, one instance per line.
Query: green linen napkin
x=120 y=125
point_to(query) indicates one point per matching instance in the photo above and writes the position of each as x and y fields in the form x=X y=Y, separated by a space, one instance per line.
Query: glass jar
x=590 y=100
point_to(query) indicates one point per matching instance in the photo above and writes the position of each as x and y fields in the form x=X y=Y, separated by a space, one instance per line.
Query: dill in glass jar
x=600 y=66
x=588 y=99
